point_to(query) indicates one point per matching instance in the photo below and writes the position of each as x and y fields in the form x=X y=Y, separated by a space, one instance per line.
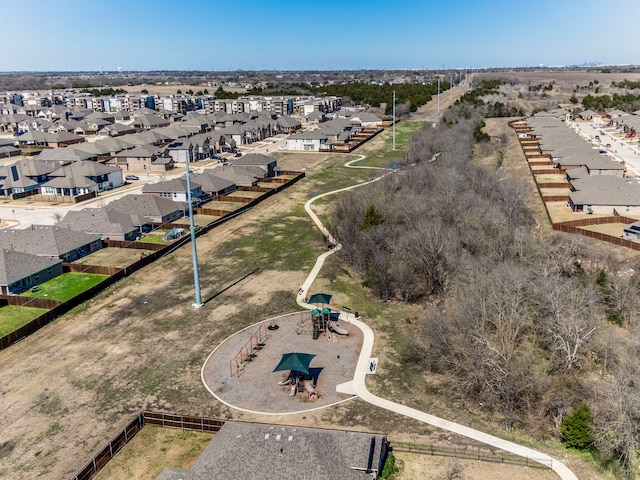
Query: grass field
x=12 y=317
x=66 y=286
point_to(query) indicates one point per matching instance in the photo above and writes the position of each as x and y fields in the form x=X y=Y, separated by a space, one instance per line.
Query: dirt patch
x=154 y=449
x=436 y=468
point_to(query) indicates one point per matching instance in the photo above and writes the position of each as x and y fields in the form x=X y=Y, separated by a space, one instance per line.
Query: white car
x=282 y=147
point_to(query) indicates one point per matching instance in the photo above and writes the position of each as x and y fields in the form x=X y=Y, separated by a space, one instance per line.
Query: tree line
x=536 y=330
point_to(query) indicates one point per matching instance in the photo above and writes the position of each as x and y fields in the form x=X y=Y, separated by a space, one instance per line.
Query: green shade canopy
x=326 y=310
x=315 y=312
x=298 y=362
x=320 y=298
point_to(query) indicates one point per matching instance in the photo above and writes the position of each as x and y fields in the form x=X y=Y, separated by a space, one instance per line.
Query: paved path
x=358 y=386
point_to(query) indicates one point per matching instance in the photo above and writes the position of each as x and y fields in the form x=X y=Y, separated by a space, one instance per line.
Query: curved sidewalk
x=359 y=387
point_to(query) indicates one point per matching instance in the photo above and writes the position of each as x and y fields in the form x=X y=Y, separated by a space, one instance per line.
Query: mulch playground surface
x=254 y=386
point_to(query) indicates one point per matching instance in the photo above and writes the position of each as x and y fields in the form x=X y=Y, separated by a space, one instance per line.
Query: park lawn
x=66 y=286
x=379 y=150
x=13 y=317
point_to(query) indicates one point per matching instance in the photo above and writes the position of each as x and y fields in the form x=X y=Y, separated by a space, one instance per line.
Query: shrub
x=577 y=428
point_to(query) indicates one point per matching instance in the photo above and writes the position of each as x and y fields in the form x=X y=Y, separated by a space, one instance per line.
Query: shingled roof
x=15 y=265
x=45 y=240
x=253 y=451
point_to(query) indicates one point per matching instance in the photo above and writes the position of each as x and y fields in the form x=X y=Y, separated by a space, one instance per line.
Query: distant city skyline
x=219 y=35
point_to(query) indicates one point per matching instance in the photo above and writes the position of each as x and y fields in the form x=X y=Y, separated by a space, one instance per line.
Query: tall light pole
x=438 y=94
x=194 y=253
x=394 y=120
x=450 y=87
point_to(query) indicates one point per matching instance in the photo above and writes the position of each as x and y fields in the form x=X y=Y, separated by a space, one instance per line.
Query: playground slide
x=340 y=331
x=308 y=386
x=294 y=389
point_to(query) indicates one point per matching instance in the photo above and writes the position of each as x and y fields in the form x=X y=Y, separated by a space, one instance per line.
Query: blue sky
x=44 y=35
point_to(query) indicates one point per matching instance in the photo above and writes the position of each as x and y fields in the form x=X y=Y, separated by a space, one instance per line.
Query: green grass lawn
x=66 y=286
x=157 y=236
x=383 y=157
x=12 y=317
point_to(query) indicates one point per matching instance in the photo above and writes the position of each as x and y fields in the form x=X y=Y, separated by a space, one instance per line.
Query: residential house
x=265 y=162
x=20 y=271
x=176 y=190
x=145 y=158
x=79 y=178
x=147 y=122
x=153 y=209
x=605 y=194
x=309 y=141
x=241 y=176
x=106 y=222
x=213 y=185
x=274 y=451
x=50 y=241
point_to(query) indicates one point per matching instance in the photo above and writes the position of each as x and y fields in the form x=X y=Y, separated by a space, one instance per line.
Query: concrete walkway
x=358 y=386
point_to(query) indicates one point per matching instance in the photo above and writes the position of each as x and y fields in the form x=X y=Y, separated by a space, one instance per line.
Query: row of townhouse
x=277 y=105
x=598 y=184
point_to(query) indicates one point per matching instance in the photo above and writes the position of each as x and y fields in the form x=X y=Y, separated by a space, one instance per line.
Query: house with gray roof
x=604 y=194
x=151 y=208
x=144 y=158
x=147 y=122
x=253 y=451
x=50 y=241
x=176 y=190
x=78 y=178
x=14 y=180
x=106 y=222
x=213 y=185
x=241 y=176
x=267 y=163
x=20 y=271
x=309 y=141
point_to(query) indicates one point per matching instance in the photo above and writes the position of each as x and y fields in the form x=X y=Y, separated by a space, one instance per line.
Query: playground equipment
x=248 y=351
x=325 y=322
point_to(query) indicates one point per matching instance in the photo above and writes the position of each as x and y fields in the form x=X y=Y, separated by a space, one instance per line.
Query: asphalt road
x=621 y=150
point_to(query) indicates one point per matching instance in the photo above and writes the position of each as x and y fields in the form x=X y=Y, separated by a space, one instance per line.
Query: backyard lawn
x=66 y=286
x=12 y=317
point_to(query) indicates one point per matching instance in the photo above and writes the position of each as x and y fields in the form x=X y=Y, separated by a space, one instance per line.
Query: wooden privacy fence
x=598 y=236
x=84 y=268
x=97 y=463
x=157 y=250
x=21 y=301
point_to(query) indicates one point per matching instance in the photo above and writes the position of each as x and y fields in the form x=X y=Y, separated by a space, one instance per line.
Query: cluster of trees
x=99 y=92
x=628 y=84
x=541 y=88
x=413 y=95
x=522 y=327
x=485 y=94
x=627 y=102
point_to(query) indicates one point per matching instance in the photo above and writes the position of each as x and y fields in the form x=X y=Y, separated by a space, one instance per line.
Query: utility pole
x=194 y=253
x=450 y=87
x=394 y=120
x=438 y=94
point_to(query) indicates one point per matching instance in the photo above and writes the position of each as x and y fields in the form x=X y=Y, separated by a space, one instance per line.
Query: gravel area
x=256 y=388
